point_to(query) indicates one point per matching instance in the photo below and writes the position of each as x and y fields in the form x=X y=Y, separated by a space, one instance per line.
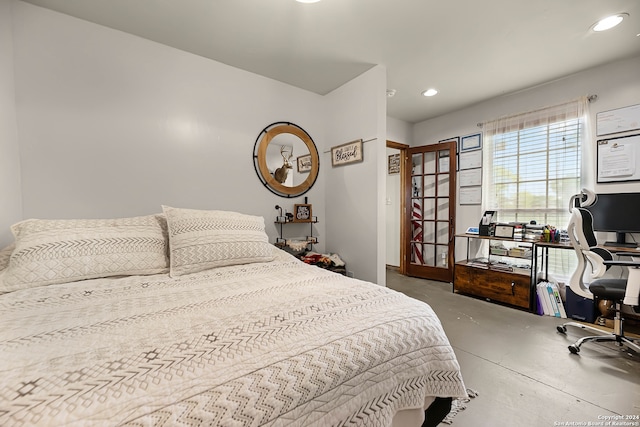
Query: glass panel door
x=432 y=211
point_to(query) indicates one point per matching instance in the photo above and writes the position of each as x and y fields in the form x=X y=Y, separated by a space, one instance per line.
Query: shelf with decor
x=302 y=215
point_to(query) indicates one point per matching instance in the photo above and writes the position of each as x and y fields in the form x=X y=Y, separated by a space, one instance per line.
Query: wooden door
x=430 y=191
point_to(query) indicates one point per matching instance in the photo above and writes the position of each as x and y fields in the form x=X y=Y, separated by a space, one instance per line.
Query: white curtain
x=533 y=164
x=543 y=117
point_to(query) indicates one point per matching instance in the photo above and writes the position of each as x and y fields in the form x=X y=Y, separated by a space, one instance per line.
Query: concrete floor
x=521 y=367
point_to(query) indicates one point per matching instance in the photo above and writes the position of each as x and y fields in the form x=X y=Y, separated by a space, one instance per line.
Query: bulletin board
x=619 y=159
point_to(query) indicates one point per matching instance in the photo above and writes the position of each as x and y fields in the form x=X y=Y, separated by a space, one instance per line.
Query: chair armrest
x=632 y=293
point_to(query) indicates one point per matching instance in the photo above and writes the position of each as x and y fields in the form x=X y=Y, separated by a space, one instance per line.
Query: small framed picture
x=302 y=213
x=504 y=231
x=455 y=139
x=304 y=163
x=393 y=166
x=471 y=142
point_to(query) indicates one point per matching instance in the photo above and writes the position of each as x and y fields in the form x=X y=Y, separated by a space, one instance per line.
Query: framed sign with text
x=351 y=152
x=302 y=213
x=393 y=165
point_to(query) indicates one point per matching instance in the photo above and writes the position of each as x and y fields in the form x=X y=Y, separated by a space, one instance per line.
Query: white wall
x=393 y=215
x=11 y=210
x=616 y=84
x=116 y=125
x=397 y=131
x=111 y=125
x=356 y=192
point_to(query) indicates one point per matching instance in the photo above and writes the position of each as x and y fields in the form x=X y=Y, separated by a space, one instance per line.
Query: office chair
x=620 y=291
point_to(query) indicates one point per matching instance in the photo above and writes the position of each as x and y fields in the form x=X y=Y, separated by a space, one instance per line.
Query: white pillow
x=59 y=251
x=201 y=239
x=5 y=254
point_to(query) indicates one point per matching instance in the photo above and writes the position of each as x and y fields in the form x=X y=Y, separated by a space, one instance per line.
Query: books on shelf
x=501 y=267
x=533 y=232
x=486 y=264
x=550 y=300
x=478 y=262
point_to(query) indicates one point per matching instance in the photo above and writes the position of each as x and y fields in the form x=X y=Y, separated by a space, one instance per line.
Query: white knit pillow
x=200 y=239
x=5 y=254
x=59 y=251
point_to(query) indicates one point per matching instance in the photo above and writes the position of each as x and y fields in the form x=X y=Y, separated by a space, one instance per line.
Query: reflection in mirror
x=286 y=159
x=282 y=154
x=282 y=174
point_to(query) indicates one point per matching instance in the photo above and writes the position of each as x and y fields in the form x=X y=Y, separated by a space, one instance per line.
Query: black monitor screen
x=619 y=212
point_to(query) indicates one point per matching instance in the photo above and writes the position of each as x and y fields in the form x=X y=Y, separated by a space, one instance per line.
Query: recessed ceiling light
x=429 y=92
x=609 y=22
x=391 y=93
x=307 y=1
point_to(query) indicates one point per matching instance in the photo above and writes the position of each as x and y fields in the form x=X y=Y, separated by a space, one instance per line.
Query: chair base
x=616 y=336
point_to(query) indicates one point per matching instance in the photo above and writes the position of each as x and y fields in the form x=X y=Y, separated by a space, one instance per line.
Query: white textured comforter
x=278 y=344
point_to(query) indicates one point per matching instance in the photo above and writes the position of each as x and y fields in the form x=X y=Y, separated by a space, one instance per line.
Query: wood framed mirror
x=286 y=159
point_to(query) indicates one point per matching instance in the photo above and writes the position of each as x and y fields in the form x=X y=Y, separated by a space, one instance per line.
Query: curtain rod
x=366 y=140
x=590 y=98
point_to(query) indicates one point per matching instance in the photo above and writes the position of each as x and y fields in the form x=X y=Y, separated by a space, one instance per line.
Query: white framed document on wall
x=470 y=177
x=618 y=159
x=471 y=159
x=623 y=119
x=470 y=195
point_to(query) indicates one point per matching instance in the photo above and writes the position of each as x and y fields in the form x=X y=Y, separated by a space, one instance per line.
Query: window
x=532 y=168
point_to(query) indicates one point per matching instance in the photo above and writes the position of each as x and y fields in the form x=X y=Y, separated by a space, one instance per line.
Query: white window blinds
x=532 y=163
x=532 y=167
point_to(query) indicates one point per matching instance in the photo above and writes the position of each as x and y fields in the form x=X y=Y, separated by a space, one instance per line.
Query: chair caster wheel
x=574 y=349
x=562 y=329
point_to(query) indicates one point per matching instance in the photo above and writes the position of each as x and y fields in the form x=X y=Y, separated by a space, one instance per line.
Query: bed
x=191 y=317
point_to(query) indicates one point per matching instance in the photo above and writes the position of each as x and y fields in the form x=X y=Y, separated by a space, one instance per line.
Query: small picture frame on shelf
x=504 y=231
x=302 y=213
x=281 y=219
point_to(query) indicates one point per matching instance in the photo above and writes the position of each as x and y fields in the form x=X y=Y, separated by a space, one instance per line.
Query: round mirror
x=286 y=159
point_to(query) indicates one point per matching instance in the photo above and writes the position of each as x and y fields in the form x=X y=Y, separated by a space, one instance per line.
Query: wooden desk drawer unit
x=506 y=287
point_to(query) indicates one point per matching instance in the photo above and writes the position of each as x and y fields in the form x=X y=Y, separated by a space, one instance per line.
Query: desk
x=515 y=287
x=622 y=250
x=545 y=246
x=544 y=260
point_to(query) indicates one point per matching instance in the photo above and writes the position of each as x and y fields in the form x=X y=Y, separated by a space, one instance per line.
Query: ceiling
x=467 y=49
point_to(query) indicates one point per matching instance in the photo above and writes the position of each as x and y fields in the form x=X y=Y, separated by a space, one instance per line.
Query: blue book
x=554 y=303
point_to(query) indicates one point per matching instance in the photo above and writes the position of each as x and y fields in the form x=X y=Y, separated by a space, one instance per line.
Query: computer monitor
x=619 y=213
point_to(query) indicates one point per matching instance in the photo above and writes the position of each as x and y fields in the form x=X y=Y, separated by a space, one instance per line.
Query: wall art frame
x=344 y=154
x=393 y=164
x=471 y=142
x=304 y=163
x=302 y=213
